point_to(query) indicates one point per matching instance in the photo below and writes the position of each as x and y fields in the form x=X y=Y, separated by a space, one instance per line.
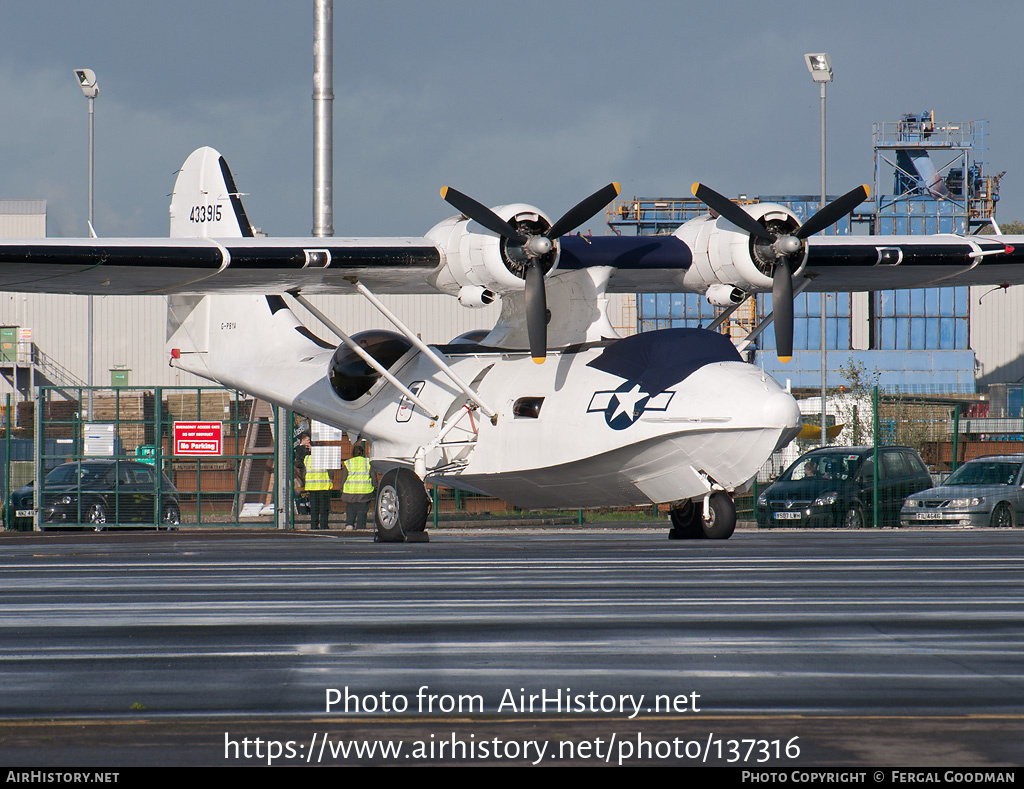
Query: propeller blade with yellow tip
x=535 y=248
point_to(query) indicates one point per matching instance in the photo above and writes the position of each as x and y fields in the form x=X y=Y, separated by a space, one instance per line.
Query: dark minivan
x=833 y=486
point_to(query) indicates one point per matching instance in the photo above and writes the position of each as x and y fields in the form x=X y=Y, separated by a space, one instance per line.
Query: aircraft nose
x=779 y=409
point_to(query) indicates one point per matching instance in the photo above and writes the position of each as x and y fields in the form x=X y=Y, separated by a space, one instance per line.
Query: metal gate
x=149 y=458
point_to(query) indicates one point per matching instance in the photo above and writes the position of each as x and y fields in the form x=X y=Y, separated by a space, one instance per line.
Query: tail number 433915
x=205 y=213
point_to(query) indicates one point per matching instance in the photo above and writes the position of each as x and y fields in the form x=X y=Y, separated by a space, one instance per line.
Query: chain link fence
x=140 y=457
x=169 y=456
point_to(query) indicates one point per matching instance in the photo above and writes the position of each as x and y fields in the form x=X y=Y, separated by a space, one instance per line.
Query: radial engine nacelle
x=728 y=261
x=477 y=258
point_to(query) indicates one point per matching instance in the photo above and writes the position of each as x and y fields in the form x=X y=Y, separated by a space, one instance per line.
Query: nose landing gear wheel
x=721 y=520
x=400 y=513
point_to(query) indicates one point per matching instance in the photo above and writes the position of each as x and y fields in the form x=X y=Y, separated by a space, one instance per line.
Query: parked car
x=986 y=491
x=834 y=486
x=97 y=493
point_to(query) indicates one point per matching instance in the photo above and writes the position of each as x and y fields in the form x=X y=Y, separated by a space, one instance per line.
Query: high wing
x=508 y=251
x=837 y=263
x=125 y=266
x=212 y=249
x=834 y=263
x=747 y=248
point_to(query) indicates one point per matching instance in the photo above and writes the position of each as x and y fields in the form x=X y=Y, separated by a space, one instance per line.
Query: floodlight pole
x=820 y=66
x=90 y=89
x=90 y=315
x=824 y=301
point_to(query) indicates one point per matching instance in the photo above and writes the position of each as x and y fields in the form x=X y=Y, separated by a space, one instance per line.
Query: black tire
x=721 y=521
x=1002 y=516
x=402 y=507
x=171 y=517
x=854 y=517
x=686 y=522
x=97 y=516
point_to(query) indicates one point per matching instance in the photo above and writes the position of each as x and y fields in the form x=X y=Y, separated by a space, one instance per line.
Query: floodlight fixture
x=820 y=66
x=87 y=81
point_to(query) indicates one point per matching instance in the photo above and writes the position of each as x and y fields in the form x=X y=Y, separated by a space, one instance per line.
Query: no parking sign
x=197 y=439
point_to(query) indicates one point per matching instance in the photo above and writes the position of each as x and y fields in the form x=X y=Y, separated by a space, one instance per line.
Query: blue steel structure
x=919 y=340
x=937 y=176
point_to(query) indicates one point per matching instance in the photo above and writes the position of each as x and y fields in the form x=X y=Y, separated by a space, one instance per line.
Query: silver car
x=986 y=491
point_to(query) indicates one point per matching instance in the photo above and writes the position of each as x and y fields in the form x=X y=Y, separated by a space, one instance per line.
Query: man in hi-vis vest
x=357 y=489
x=318 y=485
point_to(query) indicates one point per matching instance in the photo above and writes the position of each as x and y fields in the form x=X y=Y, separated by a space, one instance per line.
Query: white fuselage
x=587 y=438
x=565 y=434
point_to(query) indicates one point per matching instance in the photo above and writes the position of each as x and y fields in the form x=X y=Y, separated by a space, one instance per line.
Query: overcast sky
x=539 y=102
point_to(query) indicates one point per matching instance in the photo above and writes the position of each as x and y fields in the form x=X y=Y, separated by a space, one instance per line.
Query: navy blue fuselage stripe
x=657 y=360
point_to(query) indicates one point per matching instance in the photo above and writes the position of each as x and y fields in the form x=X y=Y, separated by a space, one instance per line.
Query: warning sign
x=197 y=438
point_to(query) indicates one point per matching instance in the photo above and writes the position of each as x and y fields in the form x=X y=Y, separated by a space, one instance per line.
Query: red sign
x=197 y=438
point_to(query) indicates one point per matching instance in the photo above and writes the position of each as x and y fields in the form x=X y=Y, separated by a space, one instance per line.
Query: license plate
x=787 y=516
x=931 y=516
x=24 y=513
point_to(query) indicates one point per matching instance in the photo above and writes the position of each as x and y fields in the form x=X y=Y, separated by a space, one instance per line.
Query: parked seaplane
x=551 y=408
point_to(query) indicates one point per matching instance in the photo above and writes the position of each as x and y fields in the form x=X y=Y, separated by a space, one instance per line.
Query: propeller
x=782 y=248
x=531 y=249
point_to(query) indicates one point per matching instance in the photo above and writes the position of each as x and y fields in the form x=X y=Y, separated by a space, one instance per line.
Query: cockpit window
x=527 y=407
x=350 y=376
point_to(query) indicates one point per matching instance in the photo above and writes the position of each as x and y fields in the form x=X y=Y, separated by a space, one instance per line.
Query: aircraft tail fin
x=206 y=203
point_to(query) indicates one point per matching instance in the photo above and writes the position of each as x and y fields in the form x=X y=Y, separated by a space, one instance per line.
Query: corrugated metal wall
x=997 y=334
x=22 y=218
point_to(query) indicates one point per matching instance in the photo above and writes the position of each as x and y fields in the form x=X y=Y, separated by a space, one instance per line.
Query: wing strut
x=361 y=352
x=726 y=313
x=427 y=352
x=767 y=319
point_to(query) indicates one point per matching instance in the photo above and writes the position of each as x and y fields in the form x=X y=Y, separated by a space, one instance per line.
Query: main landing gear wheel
x=400 y=513
x=688 y=522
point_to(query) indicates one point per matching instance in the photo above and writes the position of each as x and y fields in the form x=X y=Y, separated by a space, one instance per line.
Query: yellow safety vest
x=317 y=478
x=358 y=479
